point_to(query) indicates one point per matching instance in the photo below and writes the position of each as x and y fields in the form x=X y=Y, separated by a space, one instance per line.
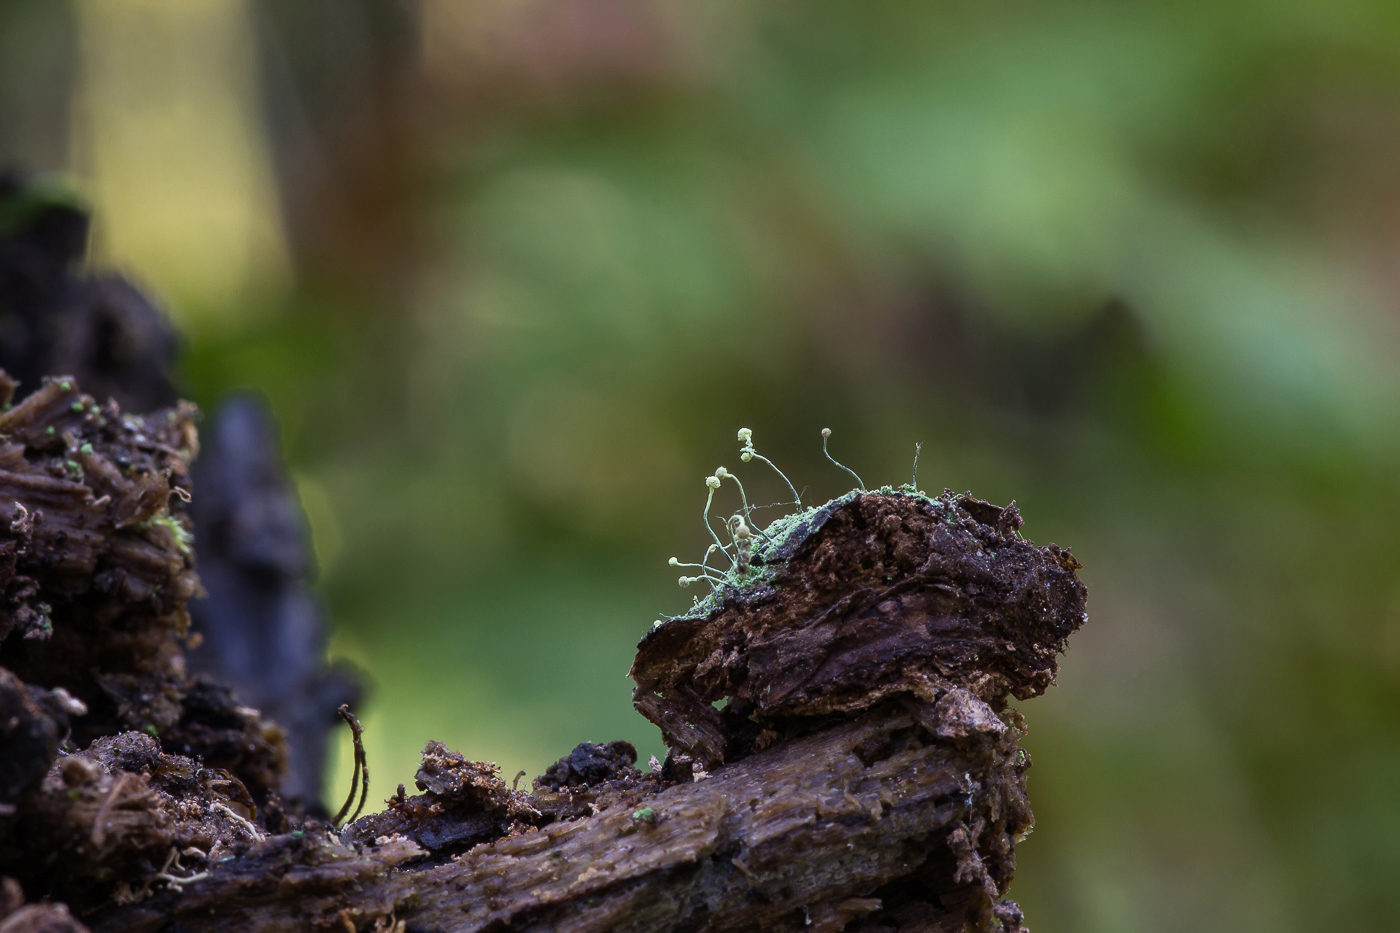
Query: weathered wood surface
x=878 y=823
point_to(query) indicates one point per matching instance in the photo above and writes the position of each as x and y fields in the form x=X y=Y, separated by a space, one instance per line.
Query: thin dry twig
x=360 y=775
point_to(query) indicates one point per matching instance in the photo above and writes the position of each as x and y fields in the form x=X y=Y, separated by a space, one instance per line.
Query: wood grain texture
x=863 y=826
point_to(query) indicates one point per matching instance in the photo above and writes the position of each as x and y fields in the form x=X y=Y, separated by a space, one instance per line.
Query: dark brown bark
x=95 y=576
x=874 y=824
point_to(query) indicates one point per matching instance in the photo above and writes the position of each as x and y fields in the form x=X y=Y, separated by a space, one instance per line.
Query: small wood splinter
x=361 y=773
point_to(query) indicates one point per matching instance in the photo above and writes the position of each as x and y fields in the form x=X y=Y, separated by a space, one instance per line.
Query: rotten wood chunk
x=95 y=572
x=873 y=595
x=590 y=764
x=110 y=823
x=465 y=803
x=96 y=569
x=97 y=566
x=33 y=721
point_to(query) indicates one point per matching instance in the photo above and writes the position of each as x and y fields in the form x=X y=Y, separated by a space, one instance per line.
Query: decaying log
x=843 y=752
x=893 y=807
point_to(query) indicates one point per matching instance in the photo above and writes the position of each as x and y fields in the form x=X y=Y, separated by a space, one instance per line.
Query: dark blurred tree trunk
x=263 y=632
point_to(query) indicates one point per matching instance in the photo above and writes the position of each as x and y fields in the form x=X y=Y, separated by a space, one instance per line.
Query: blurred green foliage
x=1130 y=264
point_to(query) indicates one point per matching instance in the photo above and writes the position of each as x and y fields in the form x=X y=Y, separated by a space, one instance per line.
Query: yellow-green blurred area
x=513 y=272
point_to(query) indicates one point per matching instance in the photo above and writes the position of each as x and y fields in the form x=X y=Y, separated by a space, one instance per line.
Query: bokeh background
x=513 y=272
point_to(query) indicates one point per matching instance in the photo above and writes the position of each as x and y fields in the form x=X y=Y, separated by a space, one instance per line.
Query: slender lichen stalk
x=712 y=483
x=714 y=582
x=722 y=473
x=705 y=561
x=704 y=569
x=748 y=453
x=826 y=433
x=914 y=483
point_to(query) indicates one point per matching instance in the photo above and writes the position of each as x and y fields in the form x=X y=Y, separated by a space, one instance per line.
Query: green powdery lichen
x=183 y=539
x=755 y=562
x=44 y=627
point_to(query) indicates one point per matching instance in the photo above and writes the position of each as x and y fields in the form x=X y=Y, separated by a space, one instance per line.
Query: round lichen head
x=826 y=435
